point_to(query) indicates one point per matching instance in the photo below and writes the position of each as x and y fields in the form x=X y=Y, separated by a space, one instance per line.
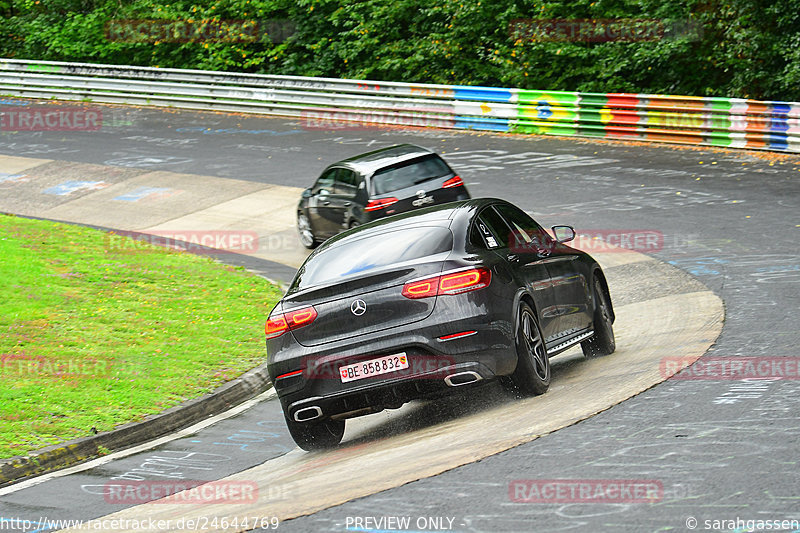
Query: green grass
x=94 y=334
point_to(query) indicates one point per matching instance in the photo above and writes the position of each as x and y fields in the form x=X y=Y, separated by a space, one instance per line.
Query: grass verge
x=94 y=335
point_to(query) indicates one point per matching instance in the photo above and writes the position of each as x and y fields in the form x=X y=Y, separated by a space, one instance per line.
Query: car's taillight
x=455 y=283
x=381 y=203
x=281 y=323
x=464 y=281
x=421 y=289
x=453 y=182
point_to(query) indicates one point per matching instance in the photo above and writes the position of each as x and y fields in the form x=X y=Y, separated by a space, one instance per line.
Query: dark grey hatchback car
x=419 y=304
x=369 y=186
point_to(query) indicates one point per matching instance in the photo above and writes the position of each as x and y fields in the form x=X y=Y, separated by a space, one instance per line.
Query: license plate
x=373 y=367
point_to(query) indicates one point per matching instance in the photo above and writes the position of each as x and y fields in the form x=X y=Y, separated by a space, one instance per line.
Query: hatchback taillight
x=381 y=203
x=453 y=182
x=281 y=323
x=453 y=283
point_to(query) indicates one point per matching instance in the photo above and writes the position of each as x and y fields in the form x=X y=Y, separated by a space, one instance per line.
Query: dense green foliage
x=747 y=48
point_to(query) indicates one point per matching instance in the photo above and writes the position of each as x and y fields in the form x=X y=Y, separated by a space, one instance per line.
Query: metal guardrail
x=710 y=121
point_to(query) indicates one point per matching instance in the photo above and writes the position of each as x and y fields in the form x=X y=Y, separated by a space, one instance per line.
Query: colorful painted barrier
x=707 y=121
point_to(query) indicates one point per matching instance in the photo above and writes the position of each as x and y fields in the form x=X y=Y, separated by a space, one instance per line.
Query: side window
x=527 y=234
x=324 y=184
x=489 y=230
x=346 y=182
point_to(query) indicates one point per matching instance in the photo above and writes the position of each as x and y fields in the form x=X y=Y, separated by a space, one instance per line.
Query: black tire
x=312 y=436
x=532 y=375
x=306 y=232
x=602 y=342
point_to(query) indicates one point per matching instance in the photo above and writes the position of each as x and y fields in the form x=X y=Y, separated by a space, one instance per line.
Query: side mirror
x=563 y=233
x=307 y=193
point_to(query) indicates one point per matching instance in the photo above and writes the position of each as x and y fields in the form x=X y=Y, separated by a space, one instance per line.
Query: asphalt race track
x=721 y=228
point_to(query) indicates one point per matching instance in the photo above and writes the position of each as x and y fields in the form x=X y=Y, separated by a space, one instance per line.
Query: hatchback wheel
x=307 y=237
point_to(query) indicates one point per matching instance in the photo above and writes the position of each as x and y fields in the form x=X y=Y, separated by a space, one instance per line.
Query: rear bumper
x=372 y=398
x=308 y=378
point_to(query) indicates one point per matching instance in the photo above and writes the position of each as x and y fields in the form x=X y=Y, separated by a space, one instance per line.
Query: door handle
x=347 y=204
x=326 y=202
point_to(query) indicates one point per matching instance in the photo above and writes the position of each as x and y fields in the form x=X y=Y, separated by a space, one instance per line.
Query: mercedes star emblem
x=358 y=307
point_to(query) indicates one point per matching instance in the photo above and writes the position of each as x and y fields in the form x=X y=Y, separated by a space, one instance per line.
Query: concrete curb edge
x=181 y=416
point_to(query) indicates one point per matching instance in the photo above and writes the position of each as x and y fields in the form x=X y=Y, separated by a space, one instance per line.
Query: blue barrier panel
x=481 y=94
x=477 y=123
x=781 y=107
x=779 y=123
x=777 y=142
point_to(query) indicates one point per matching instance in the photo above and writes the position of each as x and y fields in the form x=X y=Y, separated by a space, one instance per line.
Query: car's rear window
x=373 y=252
x=409 y=173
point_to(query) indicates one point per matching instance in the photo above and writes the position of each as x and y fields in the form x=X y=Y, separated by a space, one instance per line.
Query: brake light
x=421 y=289
x=455 y=283
x=469 y=280
x=275 y=327
x=381 y=203
x=302 y=317
x=283 y=322
x=453 y=182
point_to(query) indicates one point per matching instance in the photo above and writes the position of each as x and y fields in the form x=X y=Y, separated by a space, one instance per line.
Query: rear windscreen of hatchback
x=409 y=173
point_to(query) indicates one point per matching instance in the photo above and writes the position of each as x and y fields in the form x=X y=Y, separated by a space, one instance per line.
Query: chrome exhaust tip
x=307 y=413
x=462 y=378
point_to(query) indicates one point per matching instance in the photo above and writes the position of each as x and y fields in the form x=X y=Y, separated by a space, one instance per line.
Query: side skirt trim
x=564 y=345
